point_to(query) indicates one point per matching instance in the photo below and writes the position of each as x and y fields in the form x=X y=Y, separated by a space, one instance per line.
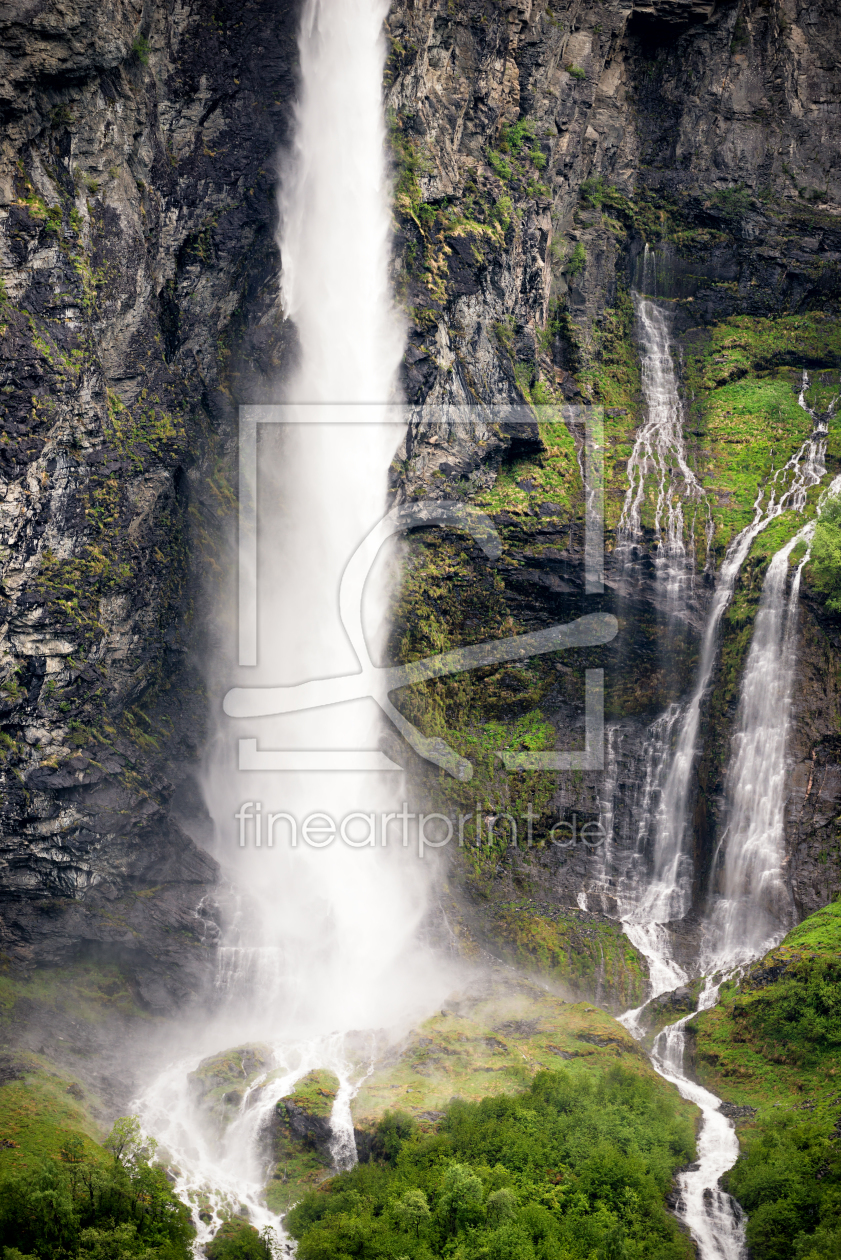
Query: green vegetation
x=298 y=1163
x=86 y=1205
x=744 y=376
x=141 y=49
x=576 y=952
x=733 y=201
x=577 y=260
x=237 y=1240
x=220 y=1080
x=495 y=1042
x=825 y=567
x=516 y=149
x=774 y=1043
x=573 y=1167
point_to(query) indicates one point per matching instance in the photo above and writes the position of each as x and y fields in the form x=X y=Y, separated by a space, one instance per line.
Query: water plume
x=324 y=938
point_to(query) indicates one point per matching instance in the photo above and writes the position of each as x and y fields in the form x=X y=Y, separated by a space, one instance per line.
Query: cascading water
x=659 y=453
x=325 y=937
x=714 y=1219
x=668 y=893
x=754 y=905
x=646 y=902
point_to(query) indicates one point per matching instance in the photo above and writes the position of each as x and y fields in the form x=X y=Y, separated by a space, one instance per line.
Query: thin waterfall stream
x=752 y=914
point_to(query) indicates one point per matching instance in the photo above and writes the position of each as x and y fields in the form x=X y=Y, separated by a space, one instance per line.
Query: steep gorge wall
x=141 y=304
x=139 y=283
x=709 y=132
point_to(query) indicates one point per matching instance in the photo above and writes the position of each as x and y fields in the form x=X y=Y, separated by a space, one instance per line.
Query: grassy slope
x=43 y=1099
x=747 y=1055
x=494 y=1041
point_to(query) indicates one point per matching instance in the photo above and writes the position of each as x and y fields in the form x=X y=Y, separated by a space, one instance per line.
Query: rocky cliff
x=139 y=286
x=537 y=149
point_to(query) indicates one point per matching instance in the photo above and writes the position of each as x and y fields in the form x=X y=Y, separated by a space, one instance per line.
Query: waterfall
x=324 y=939
x=659 y=453
x=336 y=904
x=650 y=893
x=754 y=907
x=669 y=892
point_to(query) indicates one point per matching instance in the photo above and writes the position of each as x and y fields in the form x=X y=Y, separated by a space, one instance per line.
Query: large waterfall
x=327 y=915
x=335 y=904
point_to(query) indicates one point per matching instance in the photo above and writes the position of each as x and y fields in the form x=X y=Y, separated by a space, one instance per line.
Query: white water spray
x=754 y=908
x=714 y=1219
x=669 y=892
x=325 y=936
x=340 y=918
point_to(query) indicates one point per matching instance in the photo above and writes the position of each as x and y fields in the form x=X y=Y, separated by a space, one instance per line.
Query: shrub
x=574 y=1167
x=141 y=49
x=577 y=260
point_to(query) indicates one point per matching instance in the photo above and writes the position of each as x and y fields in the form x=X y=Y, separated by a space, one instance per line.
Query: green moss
x=220 y=1081
x=39 y=1113
x=145 y=430
x=825 y=567
x=576 y=952
x=298 y=1164
x=315 y=1093
x=745 y=412
x=553 y=476
x=89 y=992
x=492 y=1044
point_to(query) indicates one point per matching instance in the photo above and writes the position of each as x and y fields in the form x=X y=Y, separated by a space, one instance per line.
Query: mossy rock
x=314 y=1093
x=491 y=1039
x=668 y=1008
x=586 y=955
x=219 y=1082
x=299 y=1136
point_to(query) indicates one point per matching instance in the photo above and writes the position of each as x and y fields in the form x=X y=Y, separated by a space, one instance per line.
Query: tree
x=413 y=1211
x=502 y=1205
x=127 y=1142
x=461 y=1196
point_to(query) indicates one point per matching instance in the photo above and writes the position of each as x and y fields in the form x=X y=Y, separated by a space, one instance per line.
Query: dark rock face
x=724 y=112
x=678 y=12
x=136 y=235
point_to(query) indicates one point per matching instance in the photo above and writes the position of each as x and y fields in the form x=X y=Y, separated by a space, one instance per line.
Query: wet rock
x=735 y=1112
x=219 y=1083
x=297 y=1138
